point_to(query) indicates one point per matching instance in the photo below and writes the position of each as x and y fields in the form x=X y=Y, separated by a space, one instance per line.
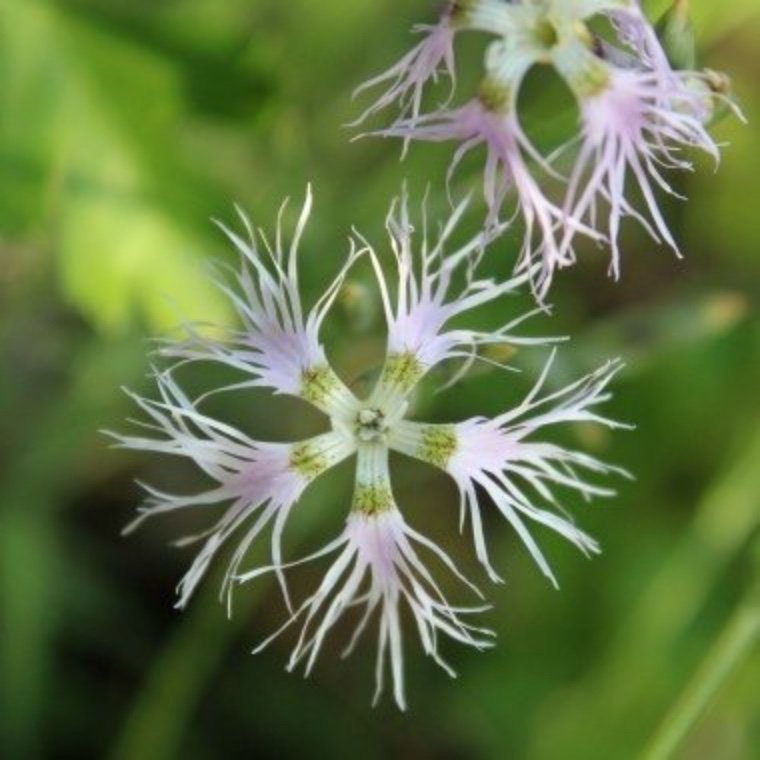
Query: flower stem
x=735 y=643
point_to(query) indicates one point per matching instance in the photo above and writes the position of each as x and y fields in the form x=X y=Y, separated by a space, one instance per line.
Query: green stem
x=737 y=640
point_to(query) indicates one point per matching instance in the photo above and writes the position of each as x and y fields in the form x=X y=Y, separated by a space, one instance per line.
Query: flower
x=639 y=117
x=423 y=63
x=635 y=122
x=378 y=567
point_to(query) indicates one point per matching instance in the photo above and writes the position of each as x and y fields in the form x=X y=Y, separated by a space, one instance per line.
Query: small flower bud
x=721 y=95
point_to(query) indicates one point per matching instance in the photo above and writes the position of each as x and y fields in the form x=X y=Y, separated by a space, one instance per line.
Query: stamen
x=313 y=457
x=371 y=425
x=401 y=372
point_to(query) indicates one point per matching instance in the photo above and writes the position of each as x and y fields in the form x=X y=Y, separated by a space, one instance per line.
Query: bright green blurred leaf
x=119 y=260
x=122 y=254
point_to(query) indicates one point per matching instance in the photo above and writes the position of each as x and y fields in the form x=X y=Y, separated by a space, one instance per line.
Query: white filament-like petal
x=633 y=130
x=279 y=344
x=378 y=569
x=501 y=457
x=418 y=311
x=407 y=79
x=255 y=483
x=507 y=174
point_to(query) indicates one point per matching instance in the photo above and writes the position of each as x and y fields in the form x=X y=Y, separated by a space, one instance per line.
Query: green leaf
x=122 y=246
x=120 y=261
x=736 y=642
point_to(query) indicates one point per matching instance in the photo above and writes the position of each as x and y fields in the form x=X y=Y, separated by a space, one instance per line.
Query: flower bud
x=676 y=32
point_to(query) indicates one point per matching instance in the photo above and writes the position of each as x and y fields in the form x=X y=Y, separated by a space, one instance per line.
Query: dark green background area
x=124 y=127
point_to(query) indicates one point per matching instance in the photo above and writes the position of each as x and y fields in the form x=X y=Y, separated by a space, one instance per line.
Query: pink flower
x=634 y=129
x=639 y=117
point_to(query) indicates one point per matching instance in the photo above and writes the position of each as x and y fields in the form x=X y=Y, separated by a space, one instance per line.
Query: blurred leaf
x=32 y=486
x=645 y=335
x=121 y=251
x=187 y=663
x=176 y=680
x=724 y=522
x=710 y=19
x=28 y=555
x=735 y=643
x=123 y=259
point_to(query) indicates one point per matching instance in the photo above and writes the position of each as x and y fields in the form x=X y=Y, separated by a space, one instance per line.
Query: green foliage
x=89 y=128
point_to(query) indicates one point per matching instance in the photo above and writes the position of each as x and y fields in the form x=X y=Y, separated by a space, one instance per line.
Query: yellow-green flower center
x=545 y=34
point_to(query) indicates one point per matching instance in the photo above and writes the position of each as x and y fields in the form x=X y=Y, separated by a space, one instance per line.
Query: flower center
x=370 y=425
x=546 y=34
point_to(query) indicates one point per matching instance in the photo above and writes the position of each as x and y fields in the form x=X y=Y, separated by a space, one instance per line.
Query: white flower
x=256 y=485
x=639 y=118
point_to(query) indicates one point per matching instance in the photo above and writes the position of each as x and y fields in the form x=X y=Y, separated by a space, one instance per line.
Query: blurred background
x=125 y=125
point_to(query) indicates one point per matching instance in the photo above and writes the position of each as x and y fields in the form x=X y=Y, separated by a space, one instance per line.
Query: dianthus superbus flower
x=636 y=123
x=380 y=565
x=638 y=118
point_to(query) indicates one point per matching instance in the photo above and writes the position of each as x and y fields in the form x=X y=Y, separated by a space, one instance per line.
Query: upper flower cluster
x=637 y=116
x=500 y=461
